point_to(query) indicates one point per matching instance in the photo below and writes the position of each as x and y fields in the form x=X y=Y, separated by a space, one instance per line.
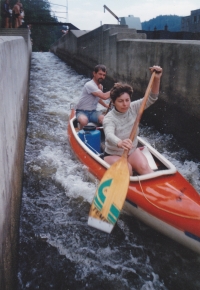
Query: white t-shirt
x=88 y=101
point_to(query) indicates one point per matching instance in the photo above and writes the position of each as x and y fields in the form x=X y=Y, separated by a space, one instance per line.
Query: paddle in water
x=111 y=192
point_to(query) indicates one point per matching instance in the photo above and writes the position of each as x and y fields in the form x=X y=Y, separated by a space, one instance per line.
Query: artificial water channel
x=57 y=249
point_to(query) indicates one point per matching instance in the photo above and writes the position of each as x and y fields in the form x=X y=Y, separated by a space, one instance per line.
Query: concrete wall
x=14 y=79
x=85 y=50
x=128 y=55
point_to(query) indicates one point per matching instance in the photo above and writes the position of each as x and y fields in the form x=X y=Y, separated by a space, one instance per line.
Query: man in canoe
x=92 y=94
x=119 y=122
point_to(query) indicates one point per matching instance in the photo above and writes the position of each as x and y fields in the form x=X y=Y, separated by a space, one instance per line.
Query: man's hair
x=119 y=89
x=100 y=67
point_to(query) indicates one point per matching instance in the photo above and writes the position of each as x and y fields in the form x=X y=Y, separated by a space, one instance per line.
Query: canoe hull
x=168 y=203
x=170 y=231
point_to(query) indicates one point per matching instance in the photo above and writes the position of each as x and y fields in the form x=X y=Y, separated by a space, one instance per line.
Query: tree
x=40 y=11
x=173 y=23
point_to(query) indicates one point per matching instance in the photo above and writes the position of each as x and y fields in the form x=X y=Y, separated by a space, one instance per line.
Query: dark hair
x=100 y=67
x=119 y=89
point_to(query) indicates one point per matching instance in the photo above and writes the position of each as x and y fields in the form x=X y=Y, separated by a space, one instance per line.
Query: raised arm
x=156 y=84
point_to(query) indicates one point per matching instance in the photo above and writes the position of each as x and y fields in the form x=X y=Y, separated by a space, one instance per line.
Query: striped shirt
x=88 y=101
x=117 y=126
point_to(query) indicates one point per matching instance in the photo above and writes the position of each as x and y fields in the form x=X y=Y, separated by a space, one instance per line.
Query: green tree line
x=39 y=11
x=173 y=23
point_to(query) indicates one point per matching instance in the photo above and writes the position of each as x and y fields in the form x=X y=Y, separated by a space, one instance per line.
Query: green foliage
x=172 y=21
x=40 y=11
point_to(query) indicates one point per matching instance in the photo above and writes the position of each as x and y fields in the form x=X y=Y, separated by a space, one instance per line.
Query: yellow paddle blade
x=110 y=196
x=112 y=190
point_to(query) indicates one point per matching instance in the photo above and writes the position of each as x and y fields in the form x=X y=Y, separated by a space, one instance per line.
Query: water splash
x=57 y=248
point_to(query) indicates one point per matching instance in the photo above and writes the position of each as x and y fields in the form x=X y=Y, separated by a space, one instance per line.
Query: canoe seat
x=149 y=157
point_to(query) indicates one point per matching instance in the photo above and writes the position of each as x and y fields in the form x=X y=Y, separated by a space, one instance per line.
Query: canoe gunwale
x=171 y=168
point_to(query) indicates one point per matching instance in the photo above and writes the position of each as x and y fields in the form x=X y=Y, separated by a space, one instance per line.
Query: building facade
x=191 y=23
x=131 y=21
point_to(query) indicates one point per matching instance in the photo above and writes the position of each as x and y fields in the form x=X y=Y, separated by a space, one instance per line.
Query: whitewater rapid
x=57 y=249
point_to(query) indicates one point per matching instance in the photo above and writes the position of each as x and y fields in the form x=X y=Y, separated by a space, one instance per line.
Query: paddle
x=111 y=192
x=108 y=109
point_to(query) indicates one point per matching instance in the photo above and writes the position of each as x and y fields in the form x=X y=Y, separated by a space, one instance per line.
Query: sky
x=89 y=14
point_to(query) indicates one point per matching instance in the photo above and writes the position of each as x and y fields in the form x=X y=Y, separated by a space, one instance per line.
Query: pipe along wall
x=127 y=55
x=15 y=55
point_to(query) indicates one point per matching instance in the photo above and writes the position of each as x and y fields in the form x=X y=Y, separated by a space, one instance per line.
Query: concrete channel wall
x=15 y=54
x=127 y=55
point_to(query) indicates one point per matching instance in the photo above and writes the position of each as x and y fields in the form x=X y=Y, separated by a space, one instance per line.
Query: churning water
x=57 y=248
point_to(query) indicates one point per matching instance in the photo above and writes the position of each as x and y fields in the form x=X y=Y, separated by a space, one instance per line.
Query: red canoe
x=164 y=199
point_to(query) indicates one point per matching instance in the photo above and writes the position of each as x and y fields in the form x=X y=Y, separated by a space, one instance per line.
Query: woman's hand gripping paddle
x=112 y=190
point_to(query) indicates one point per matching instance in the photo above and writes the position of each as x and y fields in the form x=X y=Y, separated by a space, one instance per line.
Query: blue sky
x=89 y=14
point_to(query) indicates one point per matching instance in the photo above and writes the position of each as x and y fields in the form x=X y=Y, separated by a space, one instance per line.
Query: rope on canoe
x=86 y=143
x=181 y=215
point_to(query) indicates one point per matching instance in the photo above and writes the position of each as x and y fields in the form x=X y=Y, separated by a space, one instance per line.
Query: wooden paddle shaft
x=112 y=190
x=108 y=108
x=141 y=110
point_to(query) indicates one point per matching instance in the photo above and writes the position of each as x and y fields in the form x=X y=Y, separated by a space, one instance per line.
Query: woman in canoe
x=118 y=124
